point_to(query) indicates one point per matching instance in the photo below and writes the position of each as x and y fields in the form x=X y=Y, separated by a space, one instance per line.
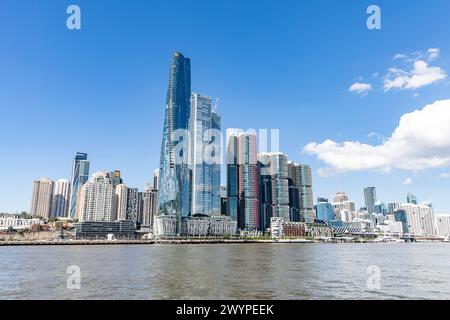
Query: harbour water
x=232 y=271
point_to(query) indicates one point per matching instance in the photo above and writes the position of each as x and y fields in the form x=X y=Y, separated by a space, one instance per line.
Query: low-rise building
x=16 y=223
x=102 y=229
x=201 y=226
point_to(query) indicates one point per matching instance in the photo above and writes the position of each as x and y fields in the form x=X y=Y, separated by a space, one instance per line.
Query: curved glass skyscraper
x=80 y=175
x=174 y=174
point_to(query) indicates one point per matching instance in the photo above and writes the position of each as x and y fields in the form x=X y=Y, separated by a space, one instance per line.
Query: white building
x=97 y=199
x=121 y=197
x=60 y=202
x=389 y=226
x=276 y=227
x=442 y=223
x=420 y=219
x=41 y=202
x=17 y=223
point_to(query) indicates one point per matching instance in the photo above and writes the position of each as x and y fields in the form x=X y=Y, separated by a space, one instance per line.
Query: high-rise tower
x=174 y=174
x=205 y=156
x=60 y=200
x=80 y=174
x=248 y=218
x=370 y=197
x=42 y=198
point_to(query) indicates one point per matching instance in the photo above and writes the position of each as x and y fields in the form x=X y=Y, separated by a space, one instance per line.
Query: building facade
x=205 y=154
x=80 y=174
x=232 y=174
x=248 y=218
x=41 y=202
x=97 y=199
x=442 y=224
x=174 y=194
x=370 y=197
x=121 y=202
x=60 y=202
x=420 y=219
x=301 y=176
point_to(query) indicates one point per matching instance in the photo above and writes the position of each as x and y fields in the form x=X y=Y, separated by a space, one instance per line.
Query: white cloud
x=360 y=87
x=400 y=56
x=421 y=75
x=433 y=53
x=445 y=175
x=408 y=181
x=420 y=141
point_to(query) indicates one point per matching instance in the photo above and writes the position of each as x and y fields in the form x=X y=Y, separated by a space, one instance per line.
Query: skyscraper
x=324 y=210
x=420 y=219
x=149 y=206
x=248 y=218
x=60 y=202
x=301 y=177
x=232 y=174
x=121 y=201
x=205 y=156
x=97 y=199
x=116 y=179
x=42 y=198
x=370 y=197
x=133 y=204
x=340 y=197
x=80 y=174
x=410 y=198
x=174 y=174
x=275 y=166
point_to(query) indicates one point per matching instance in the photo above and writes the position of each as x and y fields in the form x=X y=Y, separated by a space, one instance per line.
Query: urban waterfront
x=247 y=271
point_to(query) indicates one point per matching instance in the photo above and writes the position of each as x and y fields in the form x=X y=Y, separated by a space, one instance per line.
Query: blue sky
x=274 y=64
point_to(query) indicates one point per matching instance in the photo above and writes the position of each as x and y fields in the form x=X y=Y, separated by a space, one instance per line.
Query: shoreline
x=187 y=241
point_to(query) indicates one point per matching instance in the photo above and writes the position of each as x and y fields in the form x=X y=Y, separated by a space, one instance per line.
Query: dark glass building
x=80 y=174
x=174 y=173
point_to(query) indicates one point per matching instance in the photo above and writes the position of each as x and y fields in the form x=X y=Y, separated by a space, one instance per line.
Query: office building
x=205 y=153
x=392 y=207
x=324 y=210
x=149 y=206
x=340 y=197
x=401 y=216
x=248 y=216
x=274 y=185
x=97 y=199
x=60 y=202
x=174 y=183
x=80 y=174
x=42 y=196
x=134 y=204
x=301 y=177
x=232 y=174
x=370 y=197
x=121 y=202
x=442 y=224
x=420 y=219
x=102 y=229
x=410 y=198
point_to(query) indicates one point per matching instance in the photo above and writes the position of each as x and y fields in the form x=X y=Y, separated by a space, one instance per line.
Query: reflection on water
x=251 y=271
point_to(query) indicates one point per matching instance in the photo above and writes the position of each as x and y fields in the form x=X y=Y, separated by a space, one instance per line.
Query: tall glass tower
x=370 y=197
x=174 y=173
x=80 y=175
x=232 y=174
x=205 y=155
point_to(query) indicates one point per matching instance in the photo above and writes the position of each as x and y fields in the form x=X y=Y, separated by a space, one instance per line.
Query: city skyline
x=255 y=102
